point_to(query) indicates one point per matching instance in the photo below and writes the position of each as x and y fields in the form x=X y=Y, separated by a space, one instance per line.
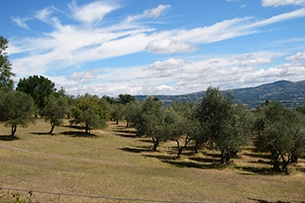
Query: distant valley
x=289 y=94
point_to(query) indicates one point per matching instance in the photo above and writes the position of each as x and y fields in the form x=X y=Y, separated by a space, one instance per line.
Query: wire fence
x=42 y=197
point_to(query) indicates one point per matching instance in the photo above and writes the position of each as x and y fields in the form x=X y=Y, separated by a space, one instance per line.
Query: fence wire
x=42 y=197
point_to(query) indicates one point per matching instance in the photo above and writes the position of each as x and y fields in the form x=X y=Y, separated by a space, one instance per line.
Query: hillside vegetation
x=289 y=94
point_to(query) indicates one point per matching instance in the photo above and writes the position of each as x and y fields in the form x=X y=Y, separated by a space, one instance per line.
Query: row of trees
x=214 y=121
x=217 y=123
x=19 y=107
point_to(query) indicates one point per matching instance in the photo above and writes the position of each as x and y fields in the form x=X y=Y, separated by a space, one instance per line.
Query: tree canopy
x=38 y=87
x=226 y=125
x=91 y=111
x=281 y=132
x=125 y=98
x=16 y=109
x=55 y=109
x=5 y=66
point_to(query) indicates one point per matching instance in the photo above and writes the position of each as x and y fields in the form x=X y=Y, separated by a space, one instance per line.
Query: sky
x=153 y=47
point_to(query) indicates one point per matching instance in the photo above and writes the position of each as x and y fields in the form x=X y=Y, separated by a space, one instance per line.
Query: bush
x=17 y=198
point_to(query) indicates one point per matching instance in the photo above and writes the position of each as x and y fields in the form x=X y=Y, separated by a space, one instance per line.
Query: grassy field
x=114 y=163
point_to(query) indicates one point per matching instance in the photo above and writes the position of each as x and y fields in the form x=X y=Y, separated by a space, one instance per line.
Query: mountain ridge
x=289 y=94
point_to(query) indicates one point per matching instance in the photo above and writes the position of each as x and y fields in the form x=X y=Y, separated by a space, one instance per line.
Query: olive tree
x=16 y=109
x=55 y=109
x=117 y=112
x=226 y=125
x=155 y=121
x=133 y=113
x=186 y=128
x=281 y=132
x=90 y=111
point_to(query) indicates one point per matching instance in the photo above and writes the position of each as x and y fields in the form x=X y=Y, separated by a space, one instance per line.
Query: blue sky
x=112 y=47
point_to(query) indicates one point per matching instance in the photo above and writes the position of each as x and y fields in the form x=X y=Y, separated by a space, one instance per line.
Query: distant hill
x=289 y=94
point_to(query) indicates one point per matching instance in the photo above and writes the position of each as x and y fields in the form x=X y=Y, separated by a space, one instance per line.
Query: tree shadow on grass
x=78 y=127
x=201 y=163
x=264 y=201
x=257 y=155
x=125 y=133
x=205 y=160
x=135 y=149
x=191 y=164
x=257 y=170
x=78 y=134
x=146 y=140
x=8 y=138
x=161 y=157
x=41 y=133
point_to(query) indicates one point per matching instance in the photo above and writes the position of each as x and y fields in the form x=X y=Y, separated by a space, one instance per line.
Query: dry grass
x=114 y=163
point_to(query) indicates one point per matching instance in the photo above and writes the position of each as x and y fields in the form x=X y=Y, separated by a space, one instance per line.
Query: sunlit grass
x=114 y=163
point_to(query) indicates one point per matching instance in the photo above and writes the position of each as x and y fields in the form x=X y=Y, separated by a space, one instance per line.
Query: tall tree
x=5 y=67
x=16 y=109
x=55 y=110
x=38 y=87
x=126 y=98
x=225 y=125
x=281 y=132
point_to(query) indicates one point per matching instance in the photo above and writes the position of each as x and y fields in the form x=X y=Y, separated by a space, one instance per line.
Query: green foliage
x=281 y=132
x=186 y=127
x=225 y=125
x=6 y=83
x=109 y=100
x=91 y=111
x=117 y=112
x=16 y=109
x=55 y=110
x=18 y=198
x=126 y=98
x=133 y=113
x=153 y=120
x=38 y=87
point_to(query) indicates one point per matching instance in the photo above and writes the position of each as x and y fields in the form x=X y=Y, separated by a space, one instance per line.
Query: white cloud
x=82 y=76
x=186 y=76
x=163 y=89
x=156 y=12
x=168 y=46
x=219 y=31
x=167 y=68
x=75 y=44
x=276 y=3
x=93 y=12
x=231 y=76
x=250 y=60
x=297 y=57
x=21 y=22
x=279 y=18
x=69 y=46
x=44 y=14
x=167 y=64
x=149 y=13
